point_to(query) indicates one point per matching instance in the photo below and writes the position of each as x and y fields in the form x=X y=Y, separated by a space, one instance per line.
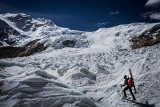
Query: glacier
x=78 y=69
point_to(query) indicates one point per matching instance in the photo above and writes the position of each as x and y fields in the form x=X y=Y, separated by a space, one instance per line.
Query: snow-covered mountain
x=27 y=29
x=77 y=69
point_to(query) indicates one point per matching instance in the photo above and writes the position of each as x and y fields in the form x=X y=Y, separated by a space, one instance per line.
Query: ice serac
x=77 y=69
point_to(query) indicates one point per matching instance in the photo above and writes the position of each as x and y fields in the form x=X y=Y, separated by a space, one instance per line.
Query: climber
x=128 y=86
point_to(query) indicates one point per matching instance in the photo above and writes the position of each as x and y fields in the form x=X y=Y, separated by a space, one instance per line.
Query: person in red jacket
x=128 y=86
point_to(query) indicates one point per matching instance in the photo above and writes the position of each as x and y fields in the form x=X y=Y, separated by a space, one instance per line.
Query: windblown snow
x=87 y=73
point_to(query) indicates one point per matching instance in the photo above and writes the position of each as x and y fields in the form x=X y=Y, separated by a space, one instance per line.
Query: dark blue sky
x=85 y=15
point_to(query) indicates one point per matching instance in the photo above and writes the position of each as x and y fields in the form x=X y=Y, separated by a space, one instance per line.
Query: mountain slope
x=78 y=68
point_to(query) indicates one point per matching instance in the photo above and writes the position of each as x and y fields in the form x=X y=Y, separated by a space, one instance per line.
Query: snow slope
x=79 y=76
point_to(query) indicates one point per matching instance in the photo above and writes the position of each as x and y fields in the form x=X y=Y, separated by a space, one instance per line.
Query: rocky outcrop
x=69 y=43
x=29 y=49
x=9 y=51
x=32 y=47
x=148 y=38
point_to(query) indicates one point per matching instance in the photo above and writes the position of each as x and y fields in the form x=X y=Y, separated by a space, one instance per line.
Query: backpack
x=130 y=82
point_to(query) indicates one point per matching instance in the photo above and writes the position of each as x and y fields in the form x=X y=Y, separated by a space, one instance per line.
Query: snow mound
x=35 y=82
x=38 y=91
x=45 y=74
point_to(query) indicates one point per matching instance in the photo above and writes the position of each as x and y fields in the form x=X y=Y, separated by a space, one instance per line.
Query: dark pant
x=130 y=89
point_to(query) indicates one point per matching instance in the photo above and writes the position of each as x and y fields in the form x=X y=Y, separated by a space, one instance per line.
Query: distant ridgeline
x=21 y=29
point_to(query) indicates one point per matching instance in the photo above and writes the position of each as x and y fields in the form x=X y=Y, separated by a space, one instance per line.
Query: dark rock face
x=22 y=21
x=5 y=30
x=29 y=49
x=9 y=52
x=148 y=38
x=69 y=43
x=32 y=47
x=1 y=44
